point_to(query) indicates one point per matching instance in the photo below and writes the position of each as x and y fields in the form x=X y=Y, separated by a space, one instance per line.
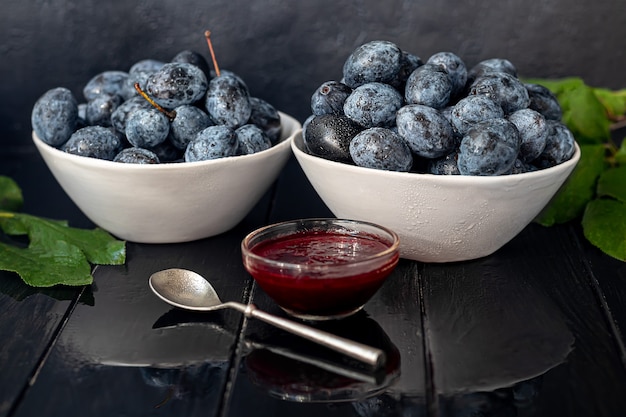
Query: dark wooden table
x=536 y=329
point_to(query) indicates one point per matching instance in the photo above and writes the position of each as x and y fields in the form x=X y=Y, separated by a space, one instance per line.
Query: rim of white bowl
x=298 y=141
x=95 y=162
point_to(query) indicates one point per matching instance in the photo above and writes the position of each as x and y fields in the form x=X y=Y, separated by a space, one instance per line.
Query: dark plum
x=373 y=105
x=454 y=66
x=560 y=146
x=228 y=100
x=251 y=139
x=146 y=128
x=189 y=120
x=544 y=101
x=506 y=90
x=176 y=84
x=329 y=136
x=428 y=85
x=136 y=155
x=381 y=148
x=94 y=142
x=427 y=132
x=329 y=98
x=100 y=109
x=265 y=116
x=55 y=116
x=214 y=142
x=533 y=131
x=489 y=148
x=473 y=109
x=374 y=61
x=107 y=82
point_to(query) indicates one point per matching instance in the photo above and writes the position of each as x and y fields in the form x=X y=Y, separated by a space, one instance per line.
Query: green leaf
x=604 y=225
x=57 y=253
x=585 y=115
x=40 y=267
x=612 y=183
x=10 y=195
x=614 y=102
x=620 y=155
x=569 y=203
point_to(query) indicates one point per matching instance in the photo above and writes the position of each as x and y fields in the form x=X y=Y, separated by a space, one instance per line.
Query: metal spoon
x=188 y=290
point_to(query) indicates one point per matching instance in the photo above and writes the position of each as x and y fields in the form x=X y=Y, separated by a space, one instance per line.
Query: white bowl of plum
x=152 y=156
x=455 y=160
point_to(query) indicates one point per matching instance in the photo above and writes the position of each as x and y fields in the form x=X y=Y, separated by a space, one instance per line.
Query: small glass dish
x=321 y=269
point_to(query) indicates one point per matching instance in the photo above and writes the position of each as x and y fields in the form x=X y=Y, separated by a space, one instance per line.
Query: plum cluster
x=157 y=112
x=394 y=111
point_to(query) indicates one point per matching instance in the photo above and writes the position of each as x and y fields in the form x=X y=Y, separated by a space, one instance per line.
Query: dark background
x=285 y=49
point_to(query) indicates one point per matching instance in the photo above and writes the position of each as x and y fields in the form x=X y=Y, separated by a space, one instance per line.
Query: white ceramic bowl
x=173 y=202
x=439 y=218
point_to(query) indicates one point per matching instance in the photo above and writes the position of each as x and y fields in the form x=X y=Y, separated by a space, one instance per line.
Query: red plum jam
x=320 y=268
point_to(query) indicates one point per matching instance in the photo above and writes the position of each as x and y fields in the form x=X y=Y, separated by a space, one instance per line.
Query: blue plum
x=120 y=114
x=445 y=165
x=427 y=132
x=100 y=109
x=107 y=82
x=176 y=84
x=506 y=90
x=489 y=148
x=429 y=85
x=55 y=116
x=544 y=101
x=329 y=98
x=139 y=72
x=228 y=100
x=533 y=130
x=381 y=148
x=214 y=142
x=408 y=63
x=374 y=61
x=265 y=116
x=136 y=155
x=473 y=109
x=188 y=122
x=491 y=65
x=251 y=139
x=94 y=142
x=373 y=105
x=194 y=58
x=146 y=128
x=560 y=146
x=454 y=66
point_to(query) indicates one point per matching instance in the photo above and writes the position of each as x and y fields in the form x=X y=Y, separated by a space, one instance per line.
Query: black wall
x=285 y=49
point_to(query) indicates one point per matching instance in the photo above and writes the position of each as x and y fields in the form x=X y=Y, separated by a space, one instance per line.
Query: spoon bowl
x=188 y=290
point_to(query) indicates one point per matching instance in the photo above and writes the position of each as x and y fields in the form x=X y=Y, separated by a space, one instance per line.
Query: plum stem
x=170 y=114
x=207 y=35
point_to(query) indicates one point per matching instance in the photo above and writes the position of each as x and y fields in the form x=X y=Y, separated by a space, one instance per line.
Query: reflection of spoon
x=188 y=290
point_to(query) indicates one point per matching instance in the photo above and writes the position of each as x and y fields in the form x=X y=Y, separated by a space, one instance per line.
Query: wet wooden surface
x=536 y=329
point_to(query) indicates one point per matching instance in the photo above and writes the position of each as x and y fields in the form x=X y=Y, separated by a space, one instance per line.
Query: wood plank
x=521 y=330
x=31 y=317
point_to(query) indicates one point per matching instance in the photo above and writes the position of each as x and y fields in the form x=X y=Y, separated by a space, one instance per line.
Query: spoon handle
x=370 y=355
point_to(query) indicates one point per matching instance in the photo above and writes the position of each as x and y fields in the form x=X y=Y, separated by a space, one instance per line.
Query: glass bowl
x=320 y=269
